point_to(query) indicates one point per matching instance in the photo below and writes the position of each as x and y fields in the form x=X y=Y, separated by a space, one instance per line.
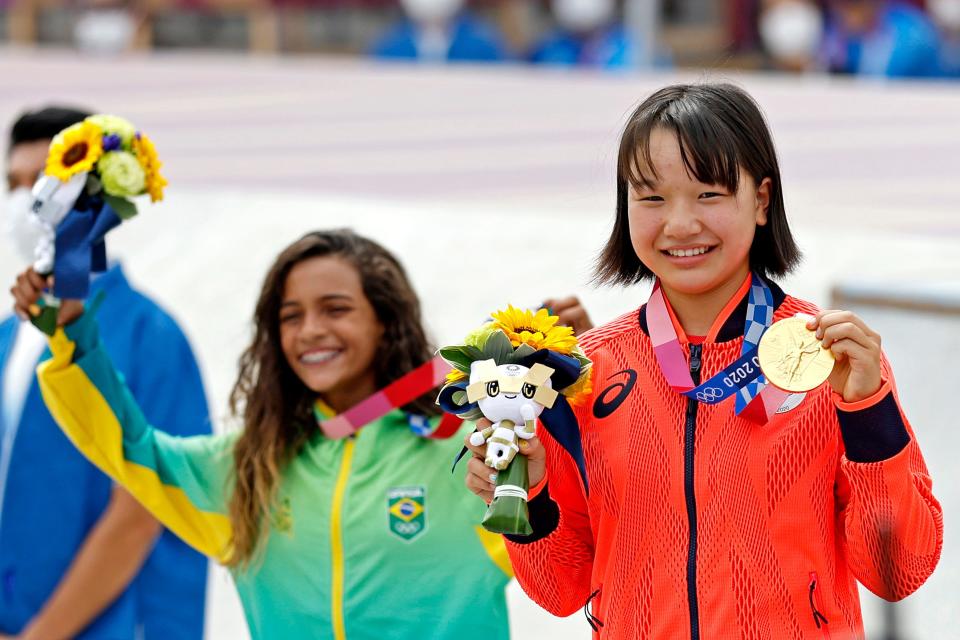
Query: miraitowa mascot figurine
x=513 y=370
x=93 y=169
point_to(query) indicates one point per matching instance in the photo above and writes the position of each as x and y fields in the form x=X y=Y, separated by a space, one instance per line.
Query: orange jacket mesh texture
x=785 y=521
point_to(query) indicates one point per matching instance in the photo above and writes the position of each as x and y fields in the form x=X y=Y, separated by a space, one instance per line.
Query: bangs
x=708 y=148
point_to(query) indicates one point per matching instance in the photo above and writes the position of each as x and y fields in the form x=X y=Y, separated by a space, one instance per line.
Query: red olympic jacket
x=699 y=524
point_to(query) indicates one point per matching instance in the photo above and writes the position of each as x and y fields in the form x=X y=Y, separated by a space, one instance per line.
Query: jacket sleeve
x=893 y=524
x=181 y=481
x=169 y=391
x=555 y=563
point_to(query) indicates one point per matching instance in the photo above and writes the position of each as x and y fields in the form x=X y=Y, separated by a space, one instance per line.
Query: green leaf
x=583 y=360
x=473 y=415
x=498 y=347
x=456 y=358
x=522 y=352
x=124 y=208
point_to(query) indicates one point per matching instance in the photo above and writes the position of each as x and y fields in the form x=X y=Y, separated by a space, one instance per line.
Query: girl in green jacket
x=326 y=538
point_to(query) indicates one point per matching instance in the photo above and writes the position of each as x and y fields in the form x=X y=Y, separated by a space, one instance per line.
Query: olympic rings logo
x=407 y=528
x=710 y=394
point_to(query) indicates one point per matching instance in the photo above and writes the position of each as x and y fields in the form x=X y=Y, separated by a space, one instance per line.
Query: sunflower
x=538 y=329
x=74 y=150
x=147 y=156
x=454 y=376
x=580 y=390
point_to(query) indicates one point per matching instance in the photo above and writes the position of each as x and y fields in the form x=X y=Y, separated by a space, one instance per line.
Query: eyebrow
x=327 y=298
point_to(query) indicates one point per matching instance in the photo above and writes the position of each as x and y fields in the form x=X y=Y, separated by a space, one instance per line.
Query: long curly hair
x=276 y=406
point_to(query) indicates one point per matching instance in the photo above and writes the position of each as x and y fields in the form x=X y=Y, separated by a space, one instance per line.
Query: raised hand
x=856 y=348
x=27 y=291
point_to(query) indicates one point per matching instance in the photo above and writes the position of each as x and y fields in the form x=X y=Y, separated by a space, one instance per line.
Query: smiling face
x=695 y=237
x=329 y=332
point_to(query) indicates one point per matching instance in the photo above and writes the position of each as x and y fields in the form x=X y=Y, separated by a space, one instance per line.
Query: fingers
x=70 y=310
x=830 y=334
x=26 y=292
x=858 y=373
x=532 y=448
x=570 y=312
x=846 y=348
x=826 y=319
x=556 y=305
x=481 y=479
x=477 y=450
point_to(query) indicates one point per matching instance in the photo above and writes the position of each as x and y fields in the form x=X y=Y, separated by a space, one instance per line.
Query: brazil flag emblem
x=407 y=507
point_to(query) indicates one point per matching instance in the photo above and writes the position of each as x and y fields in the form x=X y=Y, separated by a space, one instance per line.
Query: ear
x=763 y=201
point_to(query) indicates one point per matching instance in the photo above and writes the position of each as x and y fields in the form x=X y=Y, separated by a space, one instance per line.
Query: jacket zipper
x=821 y=620
x=595 y=623
x=689 y=439
x=336 y=541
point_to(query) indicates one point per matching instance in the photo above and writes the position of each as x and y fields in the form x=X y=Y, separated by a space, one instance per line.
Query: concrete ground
x=510 y=170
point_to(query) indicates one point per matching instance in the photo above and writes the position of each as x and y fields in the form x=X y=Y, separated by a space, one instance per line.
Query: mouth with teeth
x=687 y=253
x=319 y=356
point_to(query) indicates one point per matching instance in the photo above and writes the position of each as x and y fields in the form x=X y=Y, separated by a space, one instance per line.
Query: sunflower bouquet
x=93 y=170
x=514 y=369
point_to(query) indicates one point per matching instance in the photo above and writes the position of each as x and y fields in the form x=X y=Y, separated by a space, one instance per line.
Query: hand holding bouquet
x=93 y=170
x=511 y=371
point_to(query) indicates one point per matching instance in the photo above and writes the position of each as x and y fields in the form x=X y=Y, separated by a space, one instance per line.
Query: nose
x=314 y=325
x=681 y=221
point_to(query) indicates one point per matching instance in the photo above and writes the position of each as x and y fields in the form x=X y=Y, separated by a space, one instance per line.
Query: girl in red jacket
x=696 y=511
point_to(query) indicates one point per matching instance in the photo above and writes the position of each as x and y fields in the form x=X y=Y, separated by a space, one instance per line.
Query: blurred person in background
x=440 y=31
x=791 y=31
x=588 y=33
x=876 y=38
x=946 y=13
x=78 y=557
x=105 y=26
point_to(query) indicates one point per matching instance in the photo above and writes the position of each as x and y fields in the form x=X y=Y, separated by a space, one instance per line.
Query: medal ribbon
x=404 y=390
x=742 y=378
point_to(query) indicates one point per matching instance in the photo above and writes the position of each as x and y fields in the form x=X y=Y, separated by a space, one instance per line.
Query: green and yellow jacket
x=372 y=537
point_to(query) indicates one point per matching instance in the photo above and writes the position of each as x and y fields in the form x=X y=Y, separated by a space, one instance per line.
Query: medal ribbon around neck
x=404 y=390
x=756 y=400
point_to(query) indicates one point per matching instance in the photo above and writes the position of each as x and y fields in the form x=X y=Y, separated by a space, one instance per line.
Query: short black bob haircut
x=720 y=129
x=43 y=124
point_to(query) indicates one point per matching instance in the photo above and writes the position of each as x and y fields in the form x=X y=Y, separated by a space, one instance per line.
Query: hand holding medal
x=857 y=373
x=799 y=354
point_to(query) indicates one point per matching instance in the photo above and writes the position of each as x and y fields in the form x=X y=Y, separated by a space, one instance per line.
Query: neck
x=697 y=312
x=352 y=394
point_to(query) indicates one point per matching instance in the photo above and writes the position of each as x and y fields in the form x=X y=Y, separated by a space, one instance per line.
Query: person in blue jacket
x=885 y=39
x=79 y=557
x=440 y=31
x=587 y=35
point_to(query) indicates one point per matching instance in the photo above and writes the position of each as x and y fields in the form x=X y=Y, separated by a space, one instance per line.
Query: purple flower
x=111 y=142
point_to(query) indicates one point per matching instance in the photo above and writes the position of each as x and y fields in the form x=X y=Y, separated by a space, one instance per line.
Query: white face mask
x=583 y=15
x=21 y=225
x=431 y=10
x=945 y=12
x=791 y=30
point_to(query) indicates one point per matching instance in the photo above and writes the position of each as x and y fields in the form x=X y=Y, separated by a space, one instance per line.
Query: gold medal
x=792 y=358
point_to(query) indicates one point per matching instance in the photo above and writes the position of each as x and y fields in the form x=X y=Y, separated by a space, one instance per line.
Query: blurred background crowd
x=905 y=38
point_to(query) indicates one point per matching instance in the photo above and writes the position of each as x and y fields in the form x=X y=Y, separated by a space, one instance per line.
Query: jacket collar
x=732 y=327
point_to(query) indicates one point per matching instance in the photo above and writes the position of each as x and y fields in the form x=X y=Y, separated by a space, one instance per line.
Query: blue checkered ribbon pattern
x=759 y=317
